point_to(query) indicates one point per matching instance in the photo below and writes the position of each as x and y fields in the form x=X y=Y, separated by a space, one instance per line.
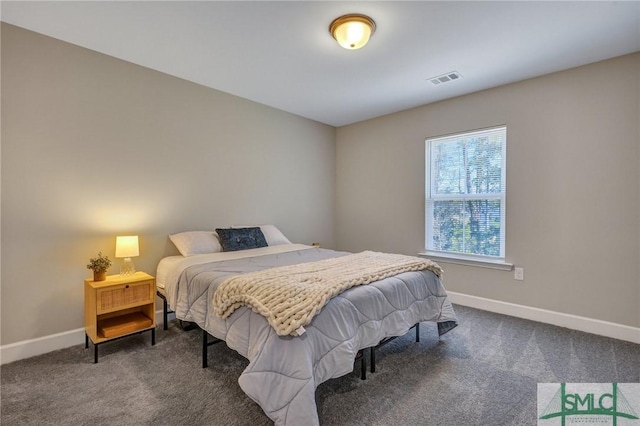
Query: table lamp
x=127 y=247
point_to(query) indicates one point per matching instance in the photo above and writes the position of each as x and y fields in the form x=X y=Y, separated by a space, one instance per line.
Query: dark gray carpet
x=482 y=373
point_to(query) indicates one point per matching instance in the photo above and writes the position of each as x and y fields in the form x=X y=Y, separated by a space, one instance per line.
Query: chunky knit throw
x=290 y=296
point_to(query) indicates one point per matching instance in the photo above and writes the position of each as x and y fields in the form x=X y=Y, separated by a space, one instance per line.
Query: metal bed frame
x=206 y=342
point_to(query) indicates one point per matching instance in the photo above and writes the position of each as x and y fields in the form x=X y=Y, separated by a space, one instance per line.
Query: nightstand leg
x=95 y=353
x=153 y=337
x=86 y=341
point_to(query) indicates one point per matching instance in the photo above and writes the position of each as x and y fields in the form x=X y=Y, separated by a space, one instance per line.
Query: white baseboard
x=574 y=322
x=42 y=345
x=28 y=348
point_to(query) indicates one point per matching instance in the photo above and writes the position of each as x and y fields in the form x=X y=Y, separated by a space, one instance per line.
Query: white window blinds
x=466 y=193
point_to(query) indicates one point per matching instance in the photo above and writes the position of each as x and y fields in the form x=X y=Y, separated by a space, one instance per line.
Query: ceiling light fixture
x=352 y=31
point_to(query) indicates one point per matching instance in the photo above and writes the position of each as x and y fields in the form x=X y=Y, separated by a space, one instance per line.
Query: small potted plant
x=99 y=265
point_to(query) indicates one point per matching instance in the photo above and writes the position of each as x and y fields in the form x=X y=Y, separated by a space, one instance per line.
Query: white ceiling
x=282 y=55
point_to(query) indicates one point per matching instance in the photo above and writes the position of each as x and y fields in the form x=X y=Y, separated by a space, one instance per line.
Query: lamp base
x=127 y=267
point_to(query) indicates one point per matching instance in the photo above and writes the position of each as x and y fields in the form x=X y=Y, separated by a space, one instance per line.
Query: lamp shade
x=352 y=31
x=127 y=246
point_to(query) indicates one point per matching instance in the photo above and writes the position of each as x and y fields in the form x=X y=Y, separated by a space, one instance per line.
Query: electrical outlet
x=518 y=274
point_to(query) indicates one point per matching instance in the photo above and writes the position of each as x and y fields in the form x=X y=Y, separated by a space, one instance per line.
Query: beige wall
x=93 y=147
x=573 y=188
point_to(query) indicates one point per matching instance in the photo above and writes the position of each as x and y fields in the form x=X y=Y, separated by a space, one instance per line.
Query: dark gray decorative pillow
x=234 y=239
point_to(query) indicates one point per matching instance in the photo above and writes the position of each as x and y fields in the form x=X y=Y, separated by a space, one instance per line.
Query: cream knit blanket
x=290 y=296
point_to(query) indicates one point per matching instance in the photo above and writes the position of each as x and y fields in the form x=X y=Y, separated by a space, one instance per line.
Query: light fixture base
x=127 y=267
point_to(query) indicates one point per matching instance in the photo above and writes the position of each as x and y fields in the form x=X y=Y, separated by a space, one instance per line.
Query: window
x=466 y=194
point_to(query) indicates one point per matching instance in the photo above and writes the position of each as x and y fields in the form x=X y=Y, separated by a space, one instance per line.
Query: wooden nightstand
x=119 y=306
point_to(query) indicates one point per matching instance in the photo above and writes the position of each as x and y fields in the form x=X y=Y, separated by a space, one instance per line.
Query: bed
x=284 y=370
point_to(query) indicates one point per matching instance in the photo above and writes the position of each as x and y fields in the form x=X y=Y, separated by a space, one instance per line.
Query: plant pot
x=99 y=276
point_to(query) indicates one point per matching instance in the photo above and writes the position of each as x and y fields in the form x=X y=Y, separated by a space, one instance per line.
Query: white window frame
x=496 y=262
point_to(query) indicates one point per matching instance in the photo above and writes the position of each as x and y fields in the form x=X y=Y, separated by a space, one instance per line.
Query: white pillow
x=196 y=242
x=272 y=234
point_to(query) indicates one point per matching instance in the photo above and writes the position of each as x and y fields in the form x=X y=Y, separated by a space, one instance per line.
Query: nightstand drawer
x=115 y=298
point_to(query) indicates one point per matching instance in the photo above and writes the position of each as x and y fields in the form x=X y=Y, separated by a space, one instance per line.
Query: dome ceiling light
x=352 y=31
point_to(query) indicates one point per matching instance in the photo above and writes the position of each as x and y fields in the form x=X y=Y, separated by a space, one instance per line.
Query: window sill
x=467 y=260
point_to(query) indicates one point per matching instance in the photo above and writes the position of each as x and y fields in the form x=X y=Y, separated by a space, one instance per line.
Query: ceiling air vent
x=445 y=78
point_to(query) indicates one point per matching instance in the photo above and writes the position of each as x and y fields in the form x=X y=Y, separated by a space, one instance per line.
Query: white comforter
x=284 y=371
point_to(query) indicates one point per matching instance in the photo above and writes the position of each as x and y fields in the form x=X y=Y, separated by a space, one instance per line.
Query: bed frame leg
x=165 y=314
x=165 y=310
x=387 y=340
x=205 y=347
x=363 y=366
x=373 y=359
